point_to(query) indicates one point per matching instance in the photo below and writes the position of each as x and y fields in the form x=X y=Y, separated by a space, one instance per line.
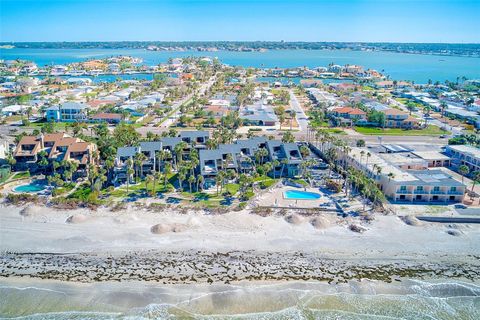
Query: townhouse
x=57 y=147
x=193 y=139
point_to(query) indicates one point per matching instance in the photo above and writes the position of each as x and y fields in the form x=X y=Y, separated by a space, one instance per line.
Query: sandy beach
x=180 y=264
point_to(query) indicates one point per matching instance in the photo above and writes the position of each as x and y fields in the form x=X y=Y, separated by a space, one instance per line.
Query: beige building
x=403 y=185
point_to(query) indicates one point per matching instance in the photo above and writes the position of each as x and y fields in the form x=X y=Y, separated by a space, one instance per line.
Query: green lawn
x=58 y=126
x=21 y=175
x=335 y=131
x=428 y=131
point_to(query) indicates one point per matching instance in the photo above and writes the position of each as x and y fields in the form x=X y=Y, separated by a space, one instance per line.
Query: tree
x=200 y=181
x=149 y=180
x=411 y=107
x=138 y=161
x=129 y=171
x=360 y=143
x=288 y=137
x=191 y=180
x=463 y=170
x=475 y=180
x=167 y=171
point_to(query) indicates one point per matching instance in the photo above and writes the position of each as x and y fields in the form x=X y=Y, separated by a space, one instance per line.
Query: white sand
x=105 y=231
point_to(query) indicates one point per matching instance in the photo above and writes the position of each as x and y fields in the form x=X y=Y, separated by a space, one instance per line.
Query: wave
x=410 y=299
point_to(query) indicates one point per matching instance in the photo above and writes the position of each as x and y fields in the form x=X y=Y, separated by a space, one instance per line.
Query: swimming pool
x=30 y=188
x=301 y=195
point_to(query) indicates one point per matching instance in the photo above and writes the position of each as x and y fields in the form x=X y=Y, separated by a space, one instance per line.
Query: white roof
x=475 y=152
x=15 y=108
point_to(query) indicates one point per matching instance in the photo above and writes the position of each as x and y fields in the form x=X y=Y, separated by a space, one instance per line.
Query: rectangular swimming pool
x=301 y=195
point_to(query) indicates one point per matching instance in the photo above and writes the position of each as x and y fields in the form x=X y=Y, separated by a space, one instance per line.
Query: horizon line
x=236 y=41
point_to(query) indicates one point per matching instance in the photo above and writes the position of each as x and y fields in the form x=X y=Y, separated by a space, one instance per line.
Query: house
x=395 y=118
x=111 y=118
x=464 y=155
x=14 y=109
x=349 y=115
x=216 y=111
x=67 y=112
x=258 y=114
x=52 y=114
x=399 y=184
x=56 y=147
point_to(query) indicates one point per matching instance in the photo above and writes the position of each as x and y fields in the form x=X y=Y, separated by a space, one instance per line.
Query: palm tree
x=390 y=176
x=284 y=162
x=178 y=149
x=139 y=159
x=167 y=171
x=149 y=180
x=156 y=177
x=200 y=180
x=475 y=179
x=129 y=171
x=191 y=180
x=463 y=170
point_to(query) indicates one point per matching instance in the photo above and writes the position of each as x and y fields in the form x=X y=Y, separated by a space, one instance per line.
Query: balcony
x=437 y=192
x=455 y=192
x=420 y=192
x=400 y=191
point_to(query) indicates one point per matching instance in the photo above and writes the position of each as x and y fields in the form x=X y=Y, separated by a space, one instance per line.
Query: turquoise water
x=361 y=300
x=400 y=66
x=30 y=188
x=301 y=195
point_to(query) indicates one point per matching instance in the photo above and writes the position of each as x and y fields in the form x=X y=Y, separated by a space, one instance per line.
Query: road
x=157 y=129
x=419 y=114
x=300 y=114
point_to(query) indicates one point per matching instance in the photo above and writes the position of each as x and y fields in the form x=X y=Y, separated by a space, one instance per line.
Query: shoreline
x=192 y=267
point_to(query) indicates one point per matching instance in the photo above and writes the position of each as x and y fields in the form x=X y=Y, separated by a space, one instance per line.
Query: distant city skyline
x=430 y=21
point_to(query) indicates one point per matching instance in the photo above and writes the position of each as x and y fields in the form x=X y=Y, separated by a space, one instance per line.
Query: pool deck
x=275 y=198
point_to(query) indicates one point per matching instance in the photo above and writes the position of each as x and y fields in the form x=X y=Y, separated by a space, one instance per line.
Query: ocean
x=401 y=66
x=409 y=299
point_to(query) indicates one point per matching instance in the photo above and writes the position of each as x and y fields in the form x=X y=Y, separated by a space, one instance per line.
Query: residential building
x=395 y=118
x=402 y=185
x=56 y=147
x=349 y=116
x=67 y=112
x=111 y=118
x=433 y=158
x=464 y=155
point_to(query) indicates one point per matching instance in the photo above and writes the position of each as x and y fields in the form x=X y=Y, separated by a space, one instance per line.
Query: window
x=403 y=188
x=436 y=188
x=419 y=188
x=453 y=189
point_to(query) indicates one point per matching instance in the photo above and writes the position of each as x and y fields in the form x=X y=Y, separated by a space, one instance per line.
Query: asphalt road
x=300 y=114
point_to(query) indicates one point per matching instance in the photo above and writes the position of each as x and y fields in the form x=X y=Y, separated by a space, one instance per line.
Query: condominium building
x=400 y=184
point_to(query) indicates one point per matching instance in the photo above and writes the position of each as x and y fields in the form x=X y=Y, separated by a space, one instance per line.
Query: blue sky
x=304 y=20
